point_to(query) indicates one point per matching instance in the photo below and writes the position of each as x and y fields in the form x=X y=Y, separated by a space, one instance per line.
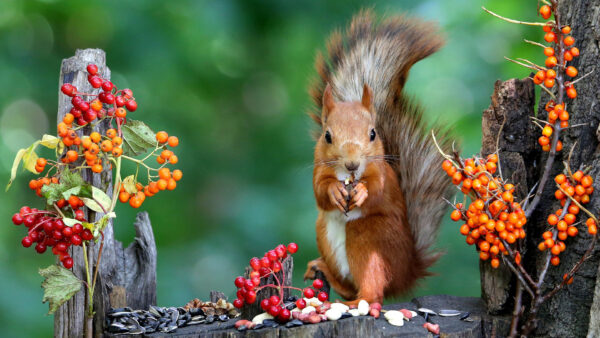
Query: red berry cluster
x=270 y=264
x=86 y=112
x=557 y=57
x=579 y=187
x=48 y=230
x=493 y=216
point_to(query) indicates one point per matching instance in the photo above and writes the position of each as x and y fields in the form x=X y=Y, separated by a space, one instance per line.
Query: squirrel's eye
x=328 y=137
x=372 y=135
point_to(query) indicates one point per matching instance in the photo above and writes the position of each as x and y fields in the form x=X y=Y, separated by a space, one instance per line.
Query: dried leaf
x=59 y=286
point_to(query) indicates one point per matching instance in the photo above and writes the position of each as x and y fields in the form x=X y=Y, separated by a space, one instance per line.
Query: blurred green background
x=228 y=77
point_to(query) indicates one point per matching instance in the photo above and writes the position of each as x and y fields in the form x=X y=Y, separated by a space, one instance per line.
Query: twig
x=535 y=43
x=514 y=21
x=524 y=65
x=581 y=78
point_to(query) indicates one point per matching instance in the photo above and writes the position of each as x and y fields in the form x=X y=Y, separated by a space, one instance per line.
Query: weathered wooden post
x=127 y=276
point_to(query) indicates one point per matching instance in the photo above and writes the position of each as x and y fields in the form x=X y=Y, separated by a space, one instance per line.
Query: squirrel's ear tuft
x=367 y=97
x=328 y=102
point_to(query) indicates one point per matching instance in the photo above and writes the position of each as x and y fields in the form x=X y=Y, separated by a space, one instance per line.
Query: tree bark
x=126 y=276
x=575 y=310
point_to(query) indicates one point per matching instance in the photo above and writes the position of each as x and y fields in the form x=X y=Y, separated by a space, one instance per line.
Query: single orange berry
x=153 y=187
x=117 y=140
x=549 y=83
x=173 y=159
x=111 y=133
x=592 y=230
x=555 y=260
x=571 y=92
x=572 y=231
x=117 y=151
x=545 y=12
x=123 y=196
x=495 y=263
x=549 y=37
x=568 y=56
x=95 y=137
x=548 y=51
x=173 y=141
x=166 y=154
x=566 y=30
x=121 y=112
x=571 y=71
x=171 y=184
x=68 y=118
x=97 y=168
x=569 y=40
x=552 y=219
x=106 y=146
x=134 y=202
x=177 y=174
x=164 y=173
x=162 y=136
x=559 y=145
x=587 y=181
x=543 y=140
x=160 y=160
x=551 y=61
x=575 y=51
x=72 y=156
x=542 y=246
x=548 y=26
x=446 y=165
x=162 y=184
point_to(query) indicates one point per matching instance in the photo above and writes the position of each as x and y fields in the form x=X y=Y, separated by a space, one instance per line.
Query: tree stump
x=127 y=276
x=575 y=310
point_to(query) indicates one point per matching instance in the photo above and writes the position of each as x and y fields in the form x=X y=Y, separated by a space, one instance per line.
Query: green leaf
x=49 y=141
x=70 y=221
x=59 y=286
x=129 y=184
x=71 y=179
x=101 y=223
x=15 y=166
x=137 y=138
x=100 y=202
x=70 y=183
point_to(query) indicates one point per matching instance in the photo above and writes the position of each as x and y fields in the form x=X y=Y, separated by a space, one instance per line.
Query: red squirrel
x=376 y=179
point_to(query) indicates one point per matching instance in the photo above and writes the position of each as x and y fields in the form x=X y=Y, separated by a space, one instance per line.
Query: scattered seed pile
x=168 y=319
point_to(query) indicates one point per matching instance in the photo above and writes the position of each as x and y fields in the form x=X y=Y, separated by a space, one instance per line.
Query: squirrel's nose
x=352 y=166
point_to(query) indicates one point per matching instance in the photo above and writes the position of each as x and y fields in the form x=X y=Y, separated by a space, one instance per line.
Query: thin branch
x=581 y=78
x=535 y=43
x=522 y=64
x=514 y=21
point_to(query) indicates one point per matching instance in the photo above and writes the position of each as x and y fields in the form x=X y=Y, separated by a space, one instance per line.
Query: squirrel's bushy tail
x=381 y=55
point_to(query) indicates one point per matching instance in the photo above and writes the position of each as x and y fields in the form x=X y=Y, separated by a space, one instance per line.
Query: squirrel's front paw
x=337 y=195
x=358 y=195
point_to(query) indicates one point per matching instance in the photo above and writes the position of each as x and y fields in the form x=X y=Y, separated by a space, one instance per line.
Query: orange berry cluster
x=493 y=215
x=556 y=61
x=36 y=185
x=578 y=186
x=167 y=155
x=167 y=181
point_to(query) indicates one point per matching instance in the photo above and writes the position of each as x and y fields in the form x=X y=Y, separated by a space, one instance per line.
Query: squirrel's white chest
x=336 y=237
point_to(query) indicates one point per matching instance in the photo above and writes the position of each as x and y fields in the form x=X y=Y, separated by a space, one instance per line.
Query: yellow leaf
x=15 y=166
x=30 y=158
x=129 y=184
x=49 y=141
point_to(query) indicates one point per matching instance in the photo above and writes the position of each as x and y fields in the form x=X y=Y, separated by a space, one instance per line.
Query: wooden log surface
x=127 y=276
x=363 y=326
